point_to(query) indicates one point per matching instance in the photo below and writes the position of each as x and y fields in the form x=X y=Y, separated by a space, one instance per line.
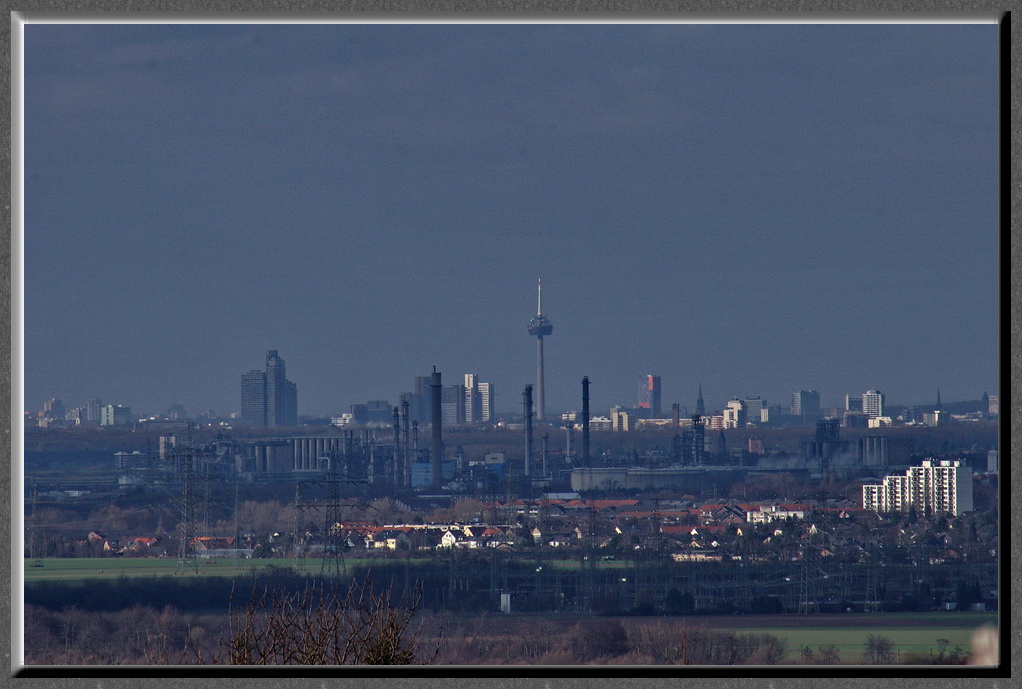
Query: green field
x=81 y=568
x=912 y=633
x=850 y=641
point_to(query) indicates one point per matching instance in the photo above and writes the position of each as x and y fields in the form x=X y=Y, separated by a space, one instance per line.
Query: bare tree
x=879 y=650
x=321 y=627
x=828 y=655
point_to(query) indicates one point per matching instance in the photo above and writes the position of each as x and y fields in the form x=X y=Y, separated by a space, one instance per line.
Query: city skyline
x=759 y=209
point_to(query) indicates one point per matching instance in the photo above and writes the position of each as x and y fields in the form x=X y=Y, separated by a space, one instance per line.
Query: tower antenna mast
x=539 y=326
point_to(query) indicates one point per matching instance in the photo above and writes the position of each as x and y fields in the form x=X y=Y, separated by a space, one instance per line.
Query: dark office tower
x=539 y=326
x=698 y=440
x=452 y=405
x=700 y=407
x=437 y=454
x=54 y=409
x=268 y=398
x=527 y=413
x=649 y=395
x=675 y=415
x=93 y=406
x=585 y=422
x=291 y=405
x=253 y=398
x=422 y=412
x=276 y=389
x=828 y=430
x=805 y=405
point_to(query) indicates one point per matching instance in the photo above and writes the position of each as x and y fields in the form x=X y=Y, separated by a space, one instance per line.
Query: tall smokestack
x=527 y=408
x=405 y=444
x=437 y=455
x=415 y=453
x=676 y=414
x=396 y=465
x=585 y=421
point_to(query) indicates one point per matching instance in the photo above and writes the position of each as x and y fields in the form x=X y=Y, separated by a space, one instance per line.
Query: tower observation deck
x=539 y=326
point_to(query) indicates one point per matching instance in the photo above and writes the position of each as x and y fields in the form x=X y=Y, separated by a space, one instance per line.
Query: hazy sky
x=757 y=208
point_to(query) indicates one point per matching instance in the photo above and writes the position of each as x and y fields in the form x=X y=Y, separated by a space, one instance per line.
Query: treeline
x=153 y=636
x=469 y=584
x=158 y=636
x=488 y=640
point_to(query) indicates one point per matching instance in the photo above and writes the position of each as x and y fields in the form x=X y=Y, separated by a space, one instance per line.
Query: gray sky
x=759 y=208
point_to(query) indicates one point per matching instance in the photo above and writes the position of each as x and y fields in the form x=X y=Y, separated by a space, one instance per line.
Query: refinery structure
x=416 y=446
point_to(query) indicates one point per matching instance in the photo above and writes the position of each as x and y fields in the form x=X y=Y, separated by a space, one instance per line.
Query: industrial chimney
x=585 y=422
x=527 y=404
x=437 y=455
x=396 y=462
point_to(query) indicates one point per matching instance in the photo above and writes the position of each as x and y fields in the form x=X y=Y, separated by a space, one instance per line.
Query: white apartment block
x=873 y=403
x=735 y=414
x=943 y=487
x=486 y=402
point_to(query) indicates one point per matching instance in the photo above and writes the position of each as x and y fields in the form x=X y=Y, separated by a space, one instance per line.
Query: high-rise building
x=734 y=414
x=478 y=400
x=943 y=487
x=487 y=413
x=853 y=403
x=253 y=398
x=805 y=406
x=92 y=411
x=873 y=403
x=168 y=443
x=649 y=395
x=268 y=398
x=473 y=406
x=114 y=415
x=756 y=410
x=452 y=405
x=54 y=409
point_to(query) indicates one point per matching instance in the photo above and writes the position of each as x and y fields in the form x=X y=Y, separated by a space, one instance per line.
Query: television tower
x=539 y=326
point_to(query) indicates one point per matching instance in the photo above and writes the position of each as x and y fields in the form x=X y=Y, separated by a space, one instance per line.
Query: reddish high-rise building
x=649 y=395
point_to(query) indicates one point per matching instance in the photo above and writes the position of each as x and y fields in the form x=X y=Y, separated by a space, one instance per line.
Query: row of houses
x=710 y=513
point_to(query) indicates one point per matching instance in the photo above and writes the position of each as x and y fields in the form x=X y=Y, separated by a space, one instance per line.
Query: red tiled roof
x=653 y=513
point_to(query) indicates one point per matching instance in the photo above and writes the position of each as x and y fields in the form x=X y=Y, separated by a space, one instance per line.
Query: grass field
x=79 y=568
x=912 y=633
x=82 y=568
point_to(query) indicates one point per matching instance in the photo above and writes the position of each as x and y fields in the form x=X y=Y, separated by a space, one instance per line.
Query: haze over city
x=760 y=209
